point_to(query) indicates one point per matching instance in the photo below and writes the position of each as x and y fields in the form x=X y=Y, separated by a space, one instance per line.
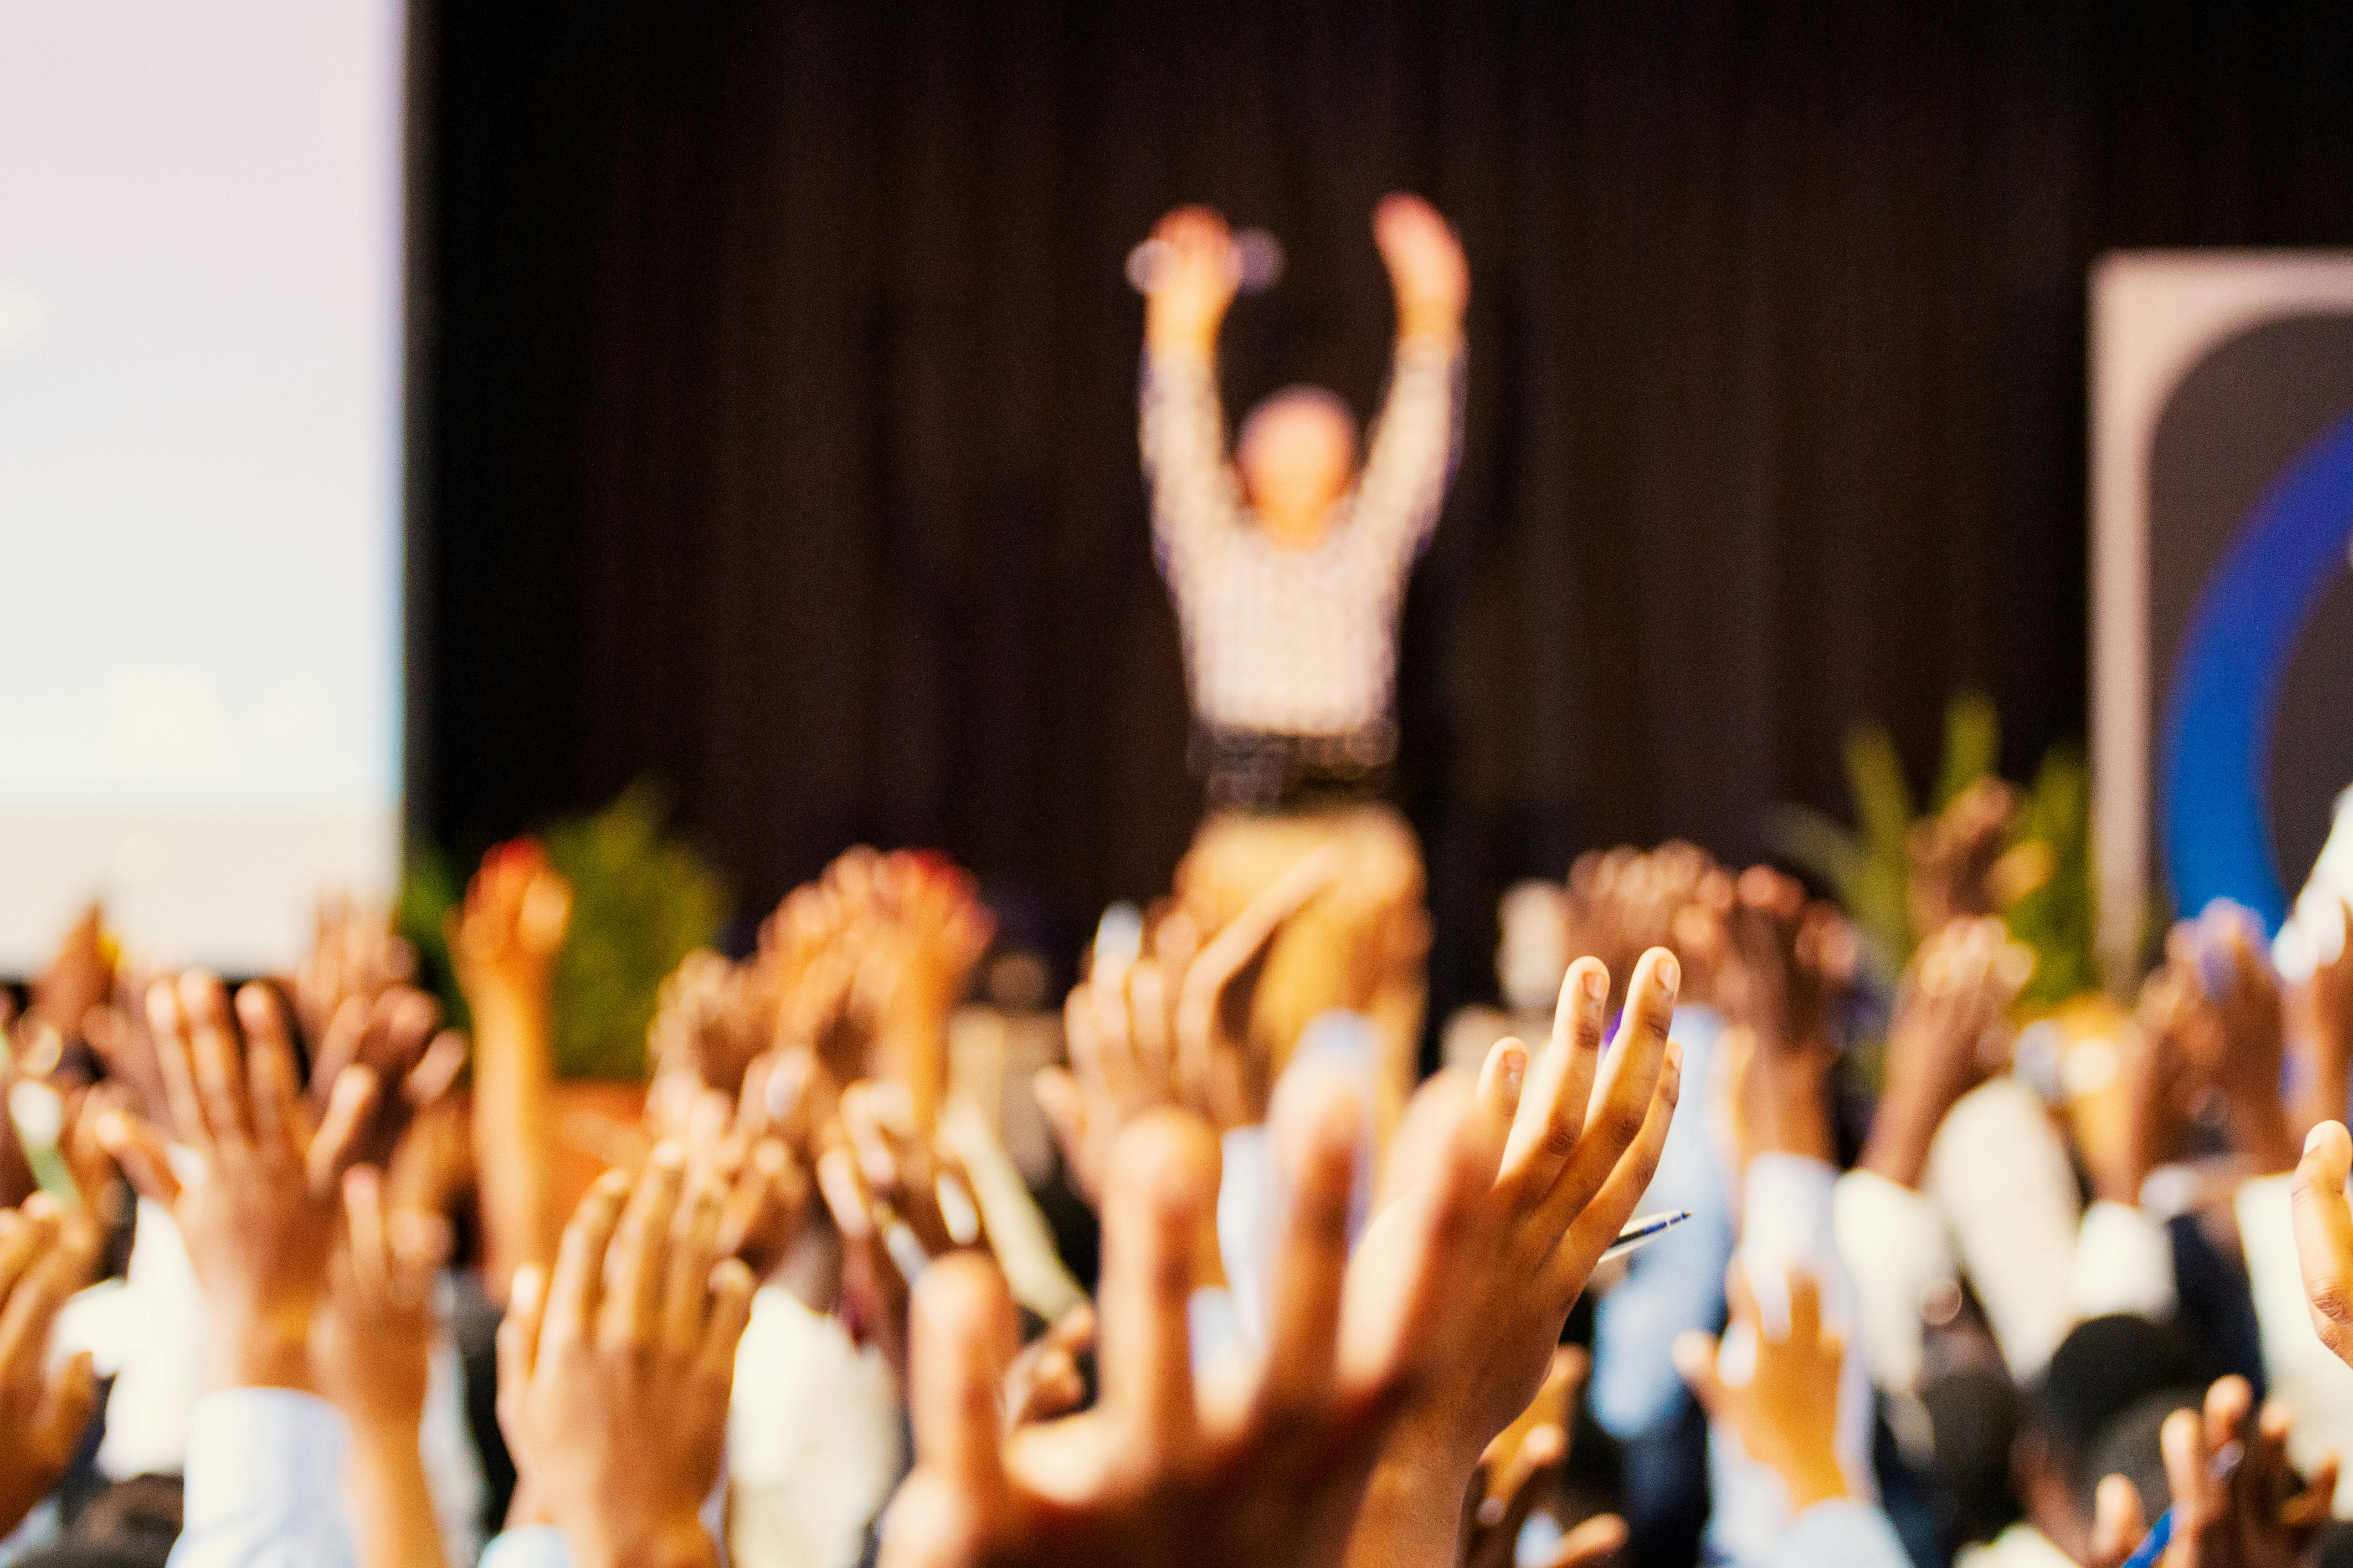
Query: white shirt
x=1295 y=642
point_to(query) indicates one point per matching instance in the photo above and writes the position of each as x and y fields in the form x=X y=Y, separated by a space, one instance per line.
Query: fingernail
x=1516 y=1070
x=2312 y=1139
x=1669 y=971
x=1597 y=985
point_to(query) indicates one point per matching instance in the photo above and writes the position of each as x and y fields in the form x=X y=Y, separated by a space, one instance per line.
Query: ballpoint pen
x=1643 y=1231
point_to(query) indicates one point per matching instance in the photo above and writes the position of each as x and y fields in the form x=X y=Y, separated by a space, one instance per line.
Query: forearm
x=1411 y=1516
x=1900 y=1131
x=391 y=1506
x=2259 y=1128
x=513 y=1057
x=1411 y=451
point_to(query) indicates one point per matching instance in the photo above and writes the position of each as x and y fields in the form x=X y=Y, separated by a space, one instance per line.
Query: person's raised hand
x=394 y=1035
x=507 y=934
x=1194 y=283
x=757 y=1149
x=45 y=1256
x=615 y=1370
x=1427 y=269
x=1954 y=998
x=1173 y=1027
x=354 y=952
x=1577 y=1133
x=1957 y=860
x=711 y=1018
x=259 y=1204
x=1157 y=1473
x=898 y=1200
x=370 y=1341
x=1786 y=1414
x=2237 y=1040
x=2237 y=1501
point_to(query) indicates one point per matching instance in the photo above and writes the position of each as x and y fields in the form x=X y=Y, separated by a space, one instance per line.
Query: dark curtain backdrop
x=777 y=373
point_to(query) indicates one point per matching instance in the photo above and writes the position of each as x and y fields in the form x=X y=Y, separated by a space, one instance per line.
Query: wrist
x=1810 y=1478
x=1898 y=1146
x=1411 y=1516
x=2259 y=1128
x=267 y=1347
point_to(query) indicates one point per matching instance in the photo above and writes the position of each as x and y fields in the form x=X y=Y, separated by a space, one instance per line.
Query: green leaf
x=642 y=901
x=1972 y=745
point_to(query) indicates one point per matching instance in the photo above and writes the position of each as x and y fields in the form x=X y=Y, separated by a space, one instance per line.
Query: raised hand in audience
x=2236 y=1037
x=1623 y=901
x=504 y=940
x=1523 y=1460
x=1171 y=1028
x=615 y=1370
x=1958 y=858
x=1778 y=963
x=1580 y=1131
x=1941 y=1041
x=369 y=1349
x=2253 y=1512
x=79 y=976
x=395 y=1035
x=2151 y=1120
x=1786 y=1413
x=355 y=954
x=259 y=1205
x=898 y=1200
x=1158 y=1472
x=46 y=1255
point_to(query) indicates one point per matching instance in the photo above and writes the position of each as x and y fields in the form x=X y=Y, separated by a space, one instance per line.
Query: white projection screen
x=201 y=243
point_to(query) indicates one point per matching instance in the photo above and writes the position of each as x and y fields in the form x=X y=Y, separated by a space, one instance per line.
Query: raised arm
x=1412 y=454
x=1183 y=427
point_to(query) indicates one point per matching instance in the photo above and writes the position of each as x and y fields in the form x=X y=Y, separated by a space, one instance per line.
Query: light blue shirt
x=265 y=1483
x=535 y=1546
x=1676 y=1284
x=1843 y=1533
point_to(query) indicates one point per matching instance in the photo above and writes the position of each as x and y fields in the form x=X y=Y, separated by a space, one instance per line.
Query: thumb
x=1695 y=1357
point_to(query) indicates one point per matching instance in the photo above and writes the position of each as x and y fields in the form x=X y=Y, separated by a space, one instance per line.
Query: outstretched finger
x=1589 y=1232
x=575 y=1289
x=270 y=1070
x=963 y=1336
x=2324 y=1234
x=1628 y=1084
x=1318 y=1123
x=168 y=1023
x=518 y=1340
x=1158 y=1201
x=219 y=1059
x=1552 y=1113
x=636 y=1262
x=336 y=1146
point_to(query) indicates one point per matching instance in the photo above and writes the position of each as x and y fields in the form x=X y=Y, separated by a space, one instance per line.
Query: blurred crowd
x=895 y=1258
